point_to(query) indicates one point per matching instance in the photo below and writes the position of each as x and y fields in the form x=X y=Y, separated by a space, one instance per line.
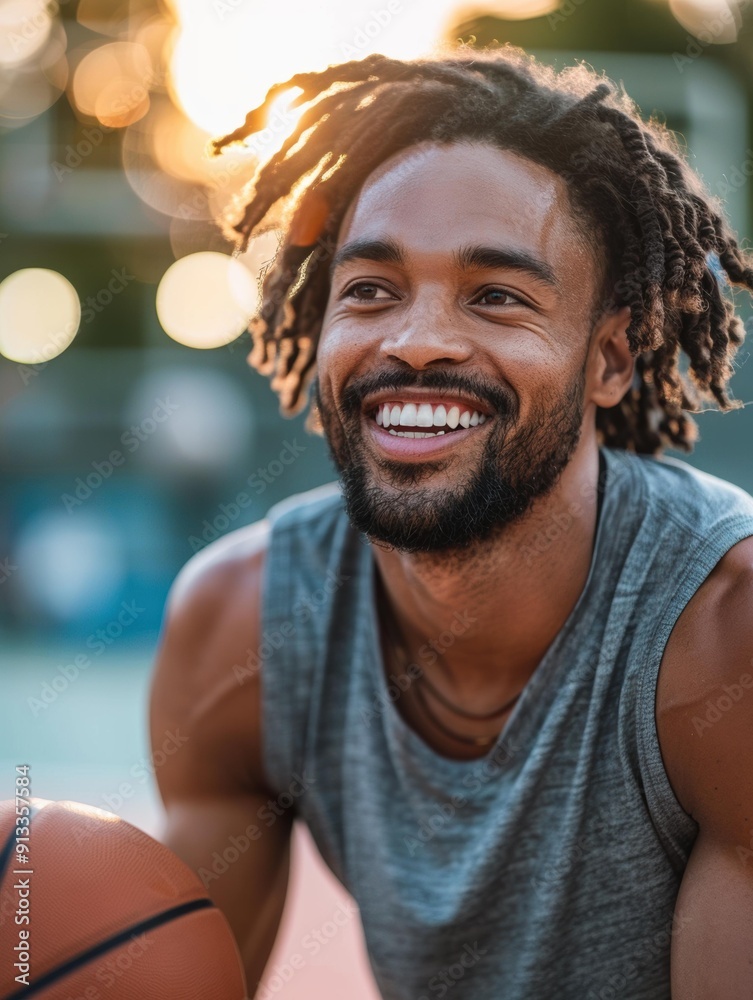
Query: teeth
x=416 y=434
x=426 y=415
x=408 y=415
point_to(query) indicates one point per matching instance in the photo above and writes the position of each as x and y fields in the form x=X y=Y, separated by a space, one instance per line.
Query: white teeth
x=424 y=416
x=416 y=434
x=408 y=415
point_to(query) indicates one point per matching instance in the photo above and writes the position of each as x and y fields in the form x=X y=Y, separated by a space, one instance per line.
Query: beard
x=518 y=465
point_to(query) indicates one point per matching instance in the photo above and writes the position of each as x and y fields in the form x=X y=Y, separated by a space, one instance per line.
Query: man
x=491 y=270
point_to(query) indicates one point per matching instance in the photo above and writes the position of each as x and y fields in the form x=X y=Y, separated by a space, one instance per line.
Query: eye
x=503 y=297
x=368 y=287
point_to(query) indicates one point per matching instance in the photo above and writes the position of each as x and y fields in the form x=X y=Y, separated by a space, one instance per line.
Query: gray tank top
x=549 y=867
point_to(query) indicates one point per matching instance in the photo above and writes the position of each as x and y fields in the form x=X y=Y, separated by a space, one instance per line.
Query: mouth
x=411 y=430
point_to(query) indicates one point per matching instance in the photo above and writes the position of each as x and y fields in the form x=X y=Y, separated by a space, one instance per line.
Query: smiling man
x=509 y=649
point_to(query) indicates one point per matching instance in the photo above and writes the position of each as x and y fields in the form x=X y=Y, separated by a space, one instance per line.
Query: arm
x=709 y=755
x=212 y=785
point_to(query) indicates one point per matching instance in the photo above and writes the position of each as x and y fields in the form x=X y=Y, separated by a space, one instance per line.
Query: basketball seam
x=112 y=942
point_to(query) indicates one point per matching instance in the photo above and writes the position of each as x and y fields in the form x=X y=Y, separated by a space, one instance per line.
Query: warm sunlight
x=227 y=53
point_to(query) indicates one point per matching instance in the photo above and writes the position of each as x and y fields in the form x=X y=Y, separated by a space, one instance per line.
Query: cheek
x=334 y=362
x=532 y=367
x=343 y=349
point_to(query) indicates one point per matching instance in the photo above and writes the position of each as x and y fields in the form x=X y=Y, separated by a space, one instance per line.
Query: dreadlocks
x=666 y=244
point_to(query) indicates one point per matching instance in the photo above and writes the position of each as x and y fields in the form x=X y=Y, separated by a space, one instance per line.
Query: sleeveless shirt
x=550 y=866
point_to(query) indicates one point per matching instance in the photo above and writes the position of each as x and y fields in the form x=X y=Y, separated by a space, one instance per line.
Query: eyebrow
x=477 y=257
x=383 y=251
x=472 y=257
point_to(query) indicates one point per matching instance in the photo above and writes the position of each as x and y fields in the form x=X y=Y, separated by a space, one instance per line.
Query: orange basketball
x=101 y=911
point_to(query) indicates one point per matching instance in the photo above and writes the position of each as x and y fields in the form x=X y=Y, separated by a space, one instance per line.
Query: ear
x=611 y=364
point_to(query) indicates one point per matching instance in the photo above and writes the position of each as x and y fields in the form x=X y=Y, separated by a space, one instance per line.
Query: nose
x=426 y=337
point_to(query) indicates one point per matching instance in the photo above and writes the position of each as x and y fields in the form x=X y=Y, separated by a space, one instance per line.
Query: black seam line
x=99 y=949
x=7 y=850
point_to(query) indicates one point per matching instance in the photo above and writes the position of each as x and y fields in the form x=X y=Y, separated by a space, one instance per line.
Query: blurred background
x=132 y=431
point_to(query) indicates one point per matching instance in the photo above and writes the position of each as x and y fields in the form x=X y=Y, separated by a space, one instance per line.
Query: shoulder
x=704 y=698
x=691 y=497
x=201 y=683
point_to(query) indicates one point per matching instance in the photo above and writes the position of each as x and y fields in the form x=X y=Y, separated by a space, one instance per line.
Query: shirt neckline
x=511 y=737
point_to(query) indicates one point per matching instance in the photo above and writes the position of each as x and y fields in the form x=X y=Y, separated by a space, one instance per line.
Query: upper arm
x=706 y=734
x=207 y=706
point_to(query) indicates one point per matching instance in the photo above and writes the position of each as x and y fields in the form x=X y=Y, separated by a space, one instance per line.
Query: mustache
x=503 y=400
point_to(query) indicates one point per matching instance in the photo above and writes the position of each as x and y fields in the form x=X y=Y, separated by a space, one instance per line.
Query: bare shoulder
x=704 y=698
x=202 y=683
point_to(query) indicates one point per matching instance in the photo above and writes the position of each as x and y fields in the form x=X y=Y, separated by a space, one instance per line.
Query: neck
x=483 y=620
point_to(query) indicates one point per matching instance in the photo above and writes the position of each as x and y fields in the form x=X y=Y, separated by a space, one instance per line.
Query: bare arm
x=707 y=738
x=212 y=785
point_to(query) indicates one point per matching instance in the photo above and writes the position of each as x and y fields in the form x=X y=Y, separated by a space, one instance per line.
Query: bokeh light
x=69 y=567
x=516 y=10
x=111 y=83
x=715 y=22
x=222 y=61
x=206 y=300
x=30 y=87
x=103 y=16
x=213 y=424
x=40 y=314
x=24 y=29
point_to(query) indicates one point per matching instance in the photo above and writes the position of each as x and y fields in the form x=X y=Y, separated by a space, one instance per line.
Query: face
x=453 y=357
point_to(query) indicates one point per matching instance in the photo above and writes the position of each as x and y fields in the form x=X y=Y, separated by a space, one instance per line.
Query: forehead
x=434 y=197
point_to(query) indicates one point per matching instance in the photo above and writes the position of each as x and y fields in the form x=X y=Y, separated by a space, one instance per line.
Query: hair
x=670 y=253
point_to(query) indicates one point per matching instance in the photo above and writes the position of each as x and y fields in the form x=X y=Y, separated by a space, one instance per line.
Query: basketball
x=101 y=911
